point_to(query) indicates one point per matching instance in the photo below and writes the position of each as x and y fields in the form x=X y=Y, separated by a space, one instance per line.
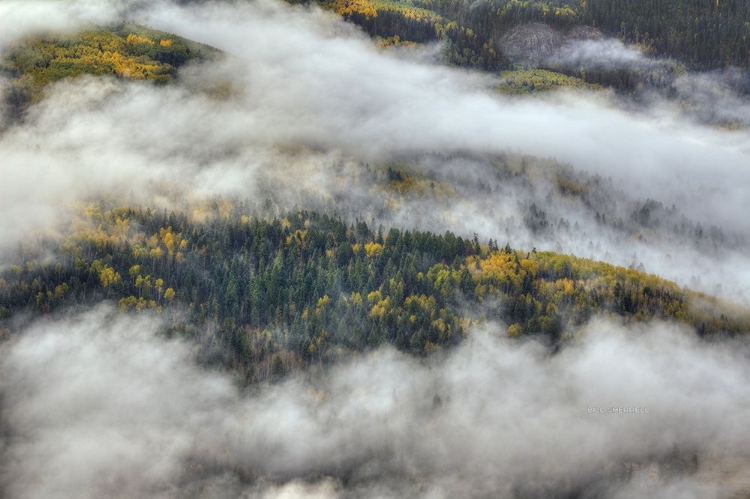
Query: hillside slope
x=124 y=51
x=306 y=286
x=705 y=35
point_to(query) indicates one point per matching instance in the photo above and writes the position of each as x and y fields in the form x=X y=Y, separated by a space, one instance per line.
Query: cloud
x=21 y=18
x=605 y=53
x=308 y=94
x=97 y=405
x=585 y=50
x=716 y=97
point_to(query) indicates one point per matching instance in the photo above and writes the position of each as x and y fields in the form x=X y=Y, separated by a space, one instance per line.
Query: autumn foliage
x=326 y=288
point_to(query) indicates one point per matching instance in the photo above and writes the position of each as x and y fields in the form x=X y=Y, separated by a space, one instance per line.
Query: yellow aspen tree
x=108 y=276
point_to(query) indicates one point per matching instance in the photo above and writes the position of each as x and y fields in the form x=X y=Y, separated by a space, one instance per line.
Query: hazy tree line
x=284 y=292
x=704 y=34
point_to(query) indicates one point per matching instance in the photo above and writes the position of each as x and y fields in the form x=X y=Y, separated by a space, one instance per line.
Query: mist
x=309 y=93
x=717 y=97
x=307 y=112
x=100 y=404
x=22 y=18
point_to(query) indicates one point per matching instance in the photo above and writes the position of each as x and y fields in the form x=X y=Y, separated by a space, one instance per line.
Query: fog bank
x=97 y=405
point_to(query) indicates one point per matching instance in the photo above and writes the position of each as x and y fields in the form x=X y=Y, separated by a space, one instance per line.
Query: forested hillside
x=283 y=293
x=123 y=51
x=705 y=34
x=307 y=287
x=571 y=37
x=374 y=248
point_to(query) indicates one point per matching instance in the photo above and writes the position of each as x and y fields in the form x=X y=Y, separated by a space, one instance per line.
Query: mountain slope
x=123 y=51
x=705 y=35
x=308 y=288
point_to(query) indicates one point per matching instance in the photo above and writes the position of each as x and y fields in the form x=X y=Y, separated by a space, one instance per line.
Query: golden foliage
x=374 y=296
x=133 y=39
x=108 y=276
x=539 y=80
x=514 y=330
x=380 y=308
x=349 y=7
x=322 y=302
x=373 y=249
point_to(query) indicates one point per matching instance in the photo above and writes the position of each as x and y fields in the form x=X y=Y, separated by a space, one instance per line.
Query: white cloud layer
x=98 y=406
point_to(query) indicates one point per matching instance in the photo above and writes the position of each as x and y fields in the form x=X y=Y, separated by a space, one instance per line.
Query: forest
x=124 y=50
x=306 y=288
x=701 y=34
x=374 y=248
x=283 y=291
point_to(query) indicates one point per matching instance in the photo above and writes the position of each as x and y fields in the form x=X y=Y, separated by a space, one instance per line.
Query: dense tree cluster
x=704 y=34
x=307 y=287
x=414 y=23
x=524 y=81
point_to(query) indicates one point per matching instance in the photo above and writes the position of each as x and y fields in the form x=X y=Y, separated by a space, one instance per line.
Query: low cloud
x=607 y=53
x=305 y=93
x=719 y=97
x=20 y=18
x=97 y=405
